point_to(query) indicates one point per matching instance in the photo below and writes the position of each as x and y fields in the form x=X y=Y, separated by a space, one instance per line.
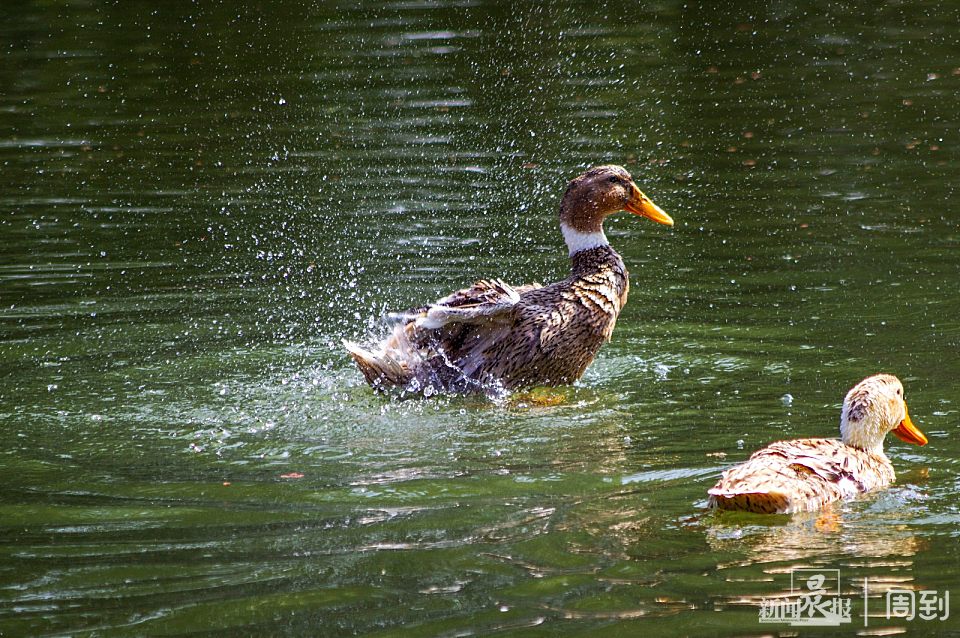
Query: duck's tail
x=771 y=502
x=379 y=369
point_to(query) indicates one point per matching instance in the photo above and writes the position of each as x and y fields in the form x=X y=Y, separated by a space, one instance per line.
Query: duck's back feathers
x=493 y=336
x=800 y=475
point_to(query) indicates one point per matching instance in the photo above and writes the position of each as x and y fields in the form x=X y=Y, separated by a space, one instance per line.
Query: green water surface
x=199 y=200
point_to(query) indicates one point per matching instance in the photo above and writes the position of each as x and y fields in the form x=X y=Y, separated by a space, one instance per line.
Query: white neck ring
x=578 y=241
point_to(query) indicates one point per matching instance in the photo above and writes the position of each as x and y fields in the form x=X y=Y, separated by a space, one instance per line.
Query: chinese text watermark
x=815 y=600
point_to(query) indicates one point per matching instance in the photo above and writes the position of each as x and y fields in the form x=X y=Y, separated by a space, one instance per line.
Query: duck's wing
x=799 y=475
x=438 y=344
x=486 y=301
x=527 y=287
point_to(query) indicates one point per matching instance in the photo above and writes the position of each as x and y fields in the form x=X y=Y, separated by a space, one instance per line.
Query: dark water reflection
x=199 y=201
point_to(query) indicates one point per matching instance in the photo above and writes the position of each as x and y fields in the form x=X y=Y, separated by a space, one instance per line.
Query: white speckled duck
x=806 y=474
x=494 y=336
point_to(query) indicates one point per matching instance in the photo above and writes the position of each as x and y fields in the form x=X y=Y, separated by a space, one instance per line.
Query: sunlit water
x=197 y=204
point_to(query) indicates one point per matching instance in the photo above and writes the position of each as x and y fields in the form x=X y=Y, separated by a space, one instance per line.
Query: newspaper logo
x=814 y=601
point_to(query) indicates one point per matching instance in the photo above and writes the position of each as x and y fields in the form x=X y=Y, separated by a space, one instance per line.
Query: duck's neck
x=863 y=436
x=600 y=258
x=578 y=241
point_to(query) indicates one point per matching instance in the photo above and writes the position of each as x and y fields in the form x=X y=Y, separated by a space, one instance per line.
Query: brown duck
x=806 y=474
x=493 y=336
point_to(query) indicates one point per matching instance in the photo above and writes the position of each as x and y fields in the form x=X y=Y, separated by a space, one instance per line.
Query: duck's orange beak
x=908 y=432
x=640 y=204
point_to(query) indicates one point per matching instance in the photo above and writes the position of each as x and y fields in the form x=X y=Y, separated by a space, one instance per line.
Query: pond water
x=198 y=202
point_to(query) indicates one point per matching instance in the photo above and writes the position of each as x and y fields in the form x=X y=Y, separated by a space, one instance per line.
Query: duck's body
x=799 y=476
x=806 y=474
x=493 y=336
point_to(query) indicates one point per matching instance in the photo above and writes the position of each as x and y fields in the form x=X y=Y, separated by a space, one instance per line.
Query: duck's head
x=874 y=407
x=591 y=197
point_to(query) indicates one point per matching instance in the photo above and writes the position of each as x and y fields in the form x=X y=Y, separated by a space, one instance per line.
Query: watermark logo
x=815 y=601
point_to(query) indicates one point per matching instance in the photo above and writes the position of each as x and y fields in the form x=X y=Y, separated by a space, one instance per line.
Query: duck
x=492 y=337
x=803 y=475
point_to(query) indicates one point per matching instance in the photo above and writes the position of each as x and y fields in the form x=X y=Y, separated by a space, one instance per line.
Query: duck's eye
x=613 y=179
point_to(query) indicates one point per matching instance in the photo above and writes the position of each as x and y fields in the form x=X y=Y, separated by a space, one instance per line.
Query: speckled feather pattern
x=553 y=333
x=800 y=475
x=536 y=335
